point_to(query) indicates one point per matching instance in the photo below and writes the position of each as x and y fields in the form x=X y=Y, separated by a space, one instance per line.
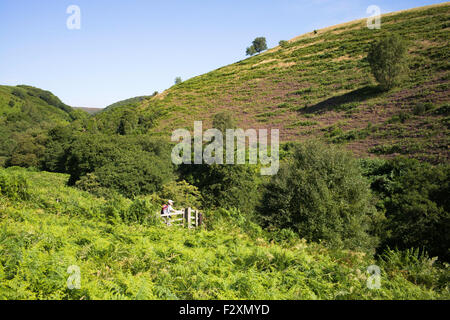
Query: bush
x=388 y=61
x=416 y=266
x=232 y=218
x=126 y=164
x=20 y=93
x=14 y=186
x=415 y=199
x=143 y=212
x=321 y=194
x=91 y=184
x=223 y=121
x=421 y=108
x=182 y=193
x=224 y=186
x=283 y=43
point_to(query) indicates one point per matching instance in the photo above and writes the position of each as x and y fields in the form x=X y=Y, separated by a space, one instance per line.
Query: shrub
x=178 y=80
x=224 y=186
x=416 y=266
x=20 y=93
x=321 y=194
x=232 y=218
x=223 y=121
x=91 y=184
x=182 y=193
x=414 y=196
x=14 y=186
x=283 y=43
x=388 y=61
x=141 y=211
x=421 y=108
x=129 y=165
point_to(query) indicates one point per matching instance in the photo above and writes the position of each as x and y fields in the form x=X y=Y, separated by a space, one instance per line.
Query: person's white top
x=170 y=209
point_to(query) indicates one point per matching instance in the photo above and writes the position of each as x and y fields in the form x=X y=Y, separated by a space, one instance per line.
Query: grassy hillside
x=127 y=102
x=25 y=114
x=47 y=227
x=89 y=110
x=319 y=84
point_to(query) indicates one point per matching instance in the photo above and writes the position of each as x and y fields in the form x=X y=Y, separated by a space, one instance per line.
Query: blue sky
x=127 y=48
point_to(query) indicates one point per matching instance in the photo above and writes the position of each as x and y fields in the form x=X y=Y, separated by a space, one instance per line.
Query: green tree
x=260 y=44
x=388 y=61
x=130 y=165
x=224 y=186
x=223 y=121
x=415 y=199
x=178 y=80
x=250 y=51
x=320 y=193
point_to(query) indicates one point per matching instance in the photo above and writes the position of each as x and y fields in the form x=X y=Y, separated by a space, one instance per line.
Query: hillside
x=25 y=115
x=47 y=227
x=85 y=192
x=89 y=110
x=319 y=85
x=127 y=102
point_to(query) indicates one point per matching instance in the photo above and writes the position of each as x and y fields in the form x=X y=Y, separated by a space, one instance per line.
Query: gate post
x=187 y=217
x=196 y=218
x=200 y=219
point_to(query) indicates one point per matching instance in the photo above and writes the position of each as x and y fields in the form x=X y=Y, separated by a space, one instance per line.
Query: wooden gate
x=187 y=218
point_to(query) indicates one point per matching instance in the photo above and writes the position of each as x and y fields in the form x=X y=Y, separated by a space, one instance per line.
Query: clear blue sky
x=127 y=48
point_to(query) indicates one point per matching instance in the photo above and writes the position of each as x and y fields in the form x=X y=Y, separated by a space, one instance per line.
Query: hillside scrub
x=309 y=232
x=321 y=194
x=323 y=77
x=388 y=60
x=130 y=165
x=62 y=226
x=414 y=198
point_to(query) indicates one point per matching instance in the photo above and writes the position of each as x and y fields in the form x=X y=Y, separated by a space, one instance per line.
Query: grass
x=57 y=226
x=324 y=74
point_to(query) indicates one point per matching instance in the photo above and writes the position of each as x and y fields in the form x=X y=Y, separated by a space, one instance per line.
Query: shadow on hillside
x=338 y=102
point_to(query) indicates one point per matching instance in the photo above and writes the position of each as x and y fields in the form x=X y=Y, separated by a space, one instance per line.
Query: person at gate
x=167 y=209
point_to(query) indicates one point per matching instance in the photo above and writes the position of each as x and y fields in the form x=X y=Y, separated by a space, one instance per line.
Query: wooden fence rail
x=191 y=218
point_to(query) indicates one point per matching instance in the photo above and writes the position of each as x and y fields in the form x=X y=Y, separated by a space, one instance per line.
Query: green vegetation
x=321 y=194
x=129 y=165
x=259 y=45
x=325 y=75
x=122 y=259
x=26 y=113
x=283 y=43
x=309 y=232
x=414 y=197
x=128 y=102
x=388 y=60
